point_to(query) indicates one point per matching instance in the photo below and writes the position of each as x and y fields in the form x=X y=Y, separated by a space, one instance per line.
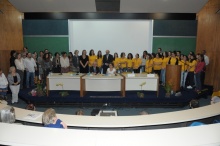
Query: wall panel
x=185 y=45
x=10 y=32
x=53 y=44
x=208 y=38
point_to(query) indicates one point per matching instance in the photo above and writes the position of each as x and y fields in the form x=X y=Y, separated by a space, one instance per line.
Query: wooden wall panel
x=11 y=35
x=208 y=38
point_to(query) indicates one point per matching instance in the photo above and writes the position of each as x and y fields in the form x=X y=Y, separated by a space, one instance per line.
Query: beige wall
x=208 y=38
x=11 y=36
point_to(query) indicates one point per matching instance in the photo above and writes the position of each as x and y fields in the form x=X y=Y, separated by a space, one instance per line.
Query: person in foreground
x=7 y=115
x=50 y=120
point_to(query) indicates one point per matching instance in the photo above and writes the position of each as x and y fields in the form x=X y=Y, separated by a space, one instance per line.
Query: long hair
x=99 y=54
x=48 y=116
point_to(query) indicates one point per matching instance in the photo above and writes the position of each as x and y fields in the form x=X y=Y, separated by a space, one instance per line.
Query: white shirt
x=206 y=59
x=19 y=64
x=3 y=81
x=111 y=72
x=29 y=64
x=64 y=62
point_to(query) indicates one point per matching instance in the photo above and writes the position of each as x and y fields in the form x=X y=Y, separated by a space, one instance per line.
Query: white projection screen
x=129 y=36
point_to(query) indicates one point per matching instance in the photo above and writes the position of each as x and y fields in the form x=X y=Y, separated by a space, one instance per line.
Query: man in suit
x=94 y=69
x=107 y=58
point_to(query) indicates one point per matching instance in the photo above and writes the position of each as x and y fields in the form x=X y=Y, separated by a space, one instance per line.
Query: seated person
x=111 y=70
x=215 y=99
x=50 y=120
x=7 y=115
x=196 y=124
x=3 y=85
x=79 y=112
x=31 y=107
x=94 y=69
x=194 y=103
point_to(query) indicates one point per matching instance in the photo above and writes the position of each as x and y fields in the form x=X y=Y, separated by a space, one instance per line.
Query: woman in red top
x=198 y=70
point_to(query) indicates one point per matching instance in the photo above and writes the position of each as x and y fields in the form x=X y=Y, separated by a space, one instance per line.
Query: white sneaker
x=189 y=87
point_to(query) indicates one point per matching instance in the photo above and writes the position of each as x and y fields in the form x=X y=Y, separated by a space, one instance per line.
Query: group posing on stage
x=26 y=67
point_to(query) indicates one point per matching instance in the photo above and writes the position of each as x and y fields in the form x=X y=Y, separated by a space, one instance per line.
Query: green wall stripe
x=185 y=45
x=53 y=44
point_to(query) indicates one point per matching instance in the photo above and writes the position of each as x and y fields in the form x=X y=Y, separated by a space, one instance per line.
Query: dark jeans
x=105 y=67
x=137 y=70
x=21 y=74
x=202 y=78
x=198 y=81
x=158 y=73
x=29 y=76
x=191 y=78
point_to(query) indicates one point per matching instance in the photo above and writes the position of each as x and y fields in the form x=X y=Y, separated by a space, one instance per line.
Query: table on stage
x=65 y=81
x=150 y=82
x=102 y=83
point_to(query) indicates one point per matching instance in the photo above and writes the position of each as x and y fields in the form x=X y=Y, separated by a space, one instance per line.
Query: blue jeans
x=29 y=75
x=183 y=78
x=123 y=70
x=3 y=93
x=198 y=81
x=163 y=76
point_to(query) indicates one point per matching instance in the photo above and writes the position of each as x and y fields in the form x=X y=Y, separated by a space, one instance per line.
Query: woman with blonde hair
x=50 y=120
x=14 y=83
x=7 y=115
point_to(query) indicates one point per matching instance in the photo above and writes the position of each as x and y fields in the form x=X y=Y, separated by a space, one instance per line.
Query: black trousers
x=191 y=78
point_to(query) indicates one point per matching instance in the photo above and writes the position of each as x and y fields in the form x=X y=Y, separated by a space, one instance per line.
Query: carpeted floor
x=124 y=106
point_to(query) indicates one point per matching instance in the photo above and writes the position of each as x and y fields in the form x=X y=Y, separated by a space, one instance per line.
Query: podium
x=173 y=76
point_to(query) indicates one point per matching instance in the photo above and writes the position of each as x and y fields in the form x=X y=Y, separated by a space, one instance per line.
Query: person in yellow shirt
x=129 y=62
x=191 y=69
x=157 y=64
x=99 y=60
x=136 y=64
x=149 y=64
x=178 y=55
x=184 y=62
x=165 y=60
x=92 y=57
x=173 y=60
x=116 y=61
x=123 y=63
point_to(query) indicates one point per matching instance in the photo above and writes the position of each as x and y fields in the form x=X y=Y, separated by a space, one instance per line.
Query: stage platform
x=112 y=98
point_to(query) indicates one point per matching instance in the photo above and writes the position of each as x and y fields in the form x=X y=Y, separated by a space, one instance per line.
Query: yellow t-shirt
x=123 y=62
x=149 y=66
x=164 y=62
x=92 y=59
x=116 y=62
x=136 y=63
x=173 y=61
x=192 y=65
x=129 y=63
x=157 y=66
x=99 y=61
x=184 y=65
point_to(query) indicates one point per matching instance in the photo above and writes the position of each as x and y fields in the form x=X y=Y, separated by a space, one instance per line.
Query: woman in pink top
x=200 y=67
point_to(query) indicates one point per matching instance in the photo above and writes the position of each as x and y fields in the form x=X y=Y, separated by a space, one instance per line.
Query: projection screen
x=129 y=36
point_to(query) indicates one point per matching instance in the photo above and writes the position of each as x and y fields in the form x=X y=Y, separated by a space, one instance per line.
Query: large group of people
x=26 y=67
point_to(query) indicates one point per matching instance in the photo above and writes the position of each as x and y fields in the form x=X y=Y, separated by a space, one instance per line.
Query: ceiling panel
x=54 y=5
x=163 y=6
x=126 y=6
